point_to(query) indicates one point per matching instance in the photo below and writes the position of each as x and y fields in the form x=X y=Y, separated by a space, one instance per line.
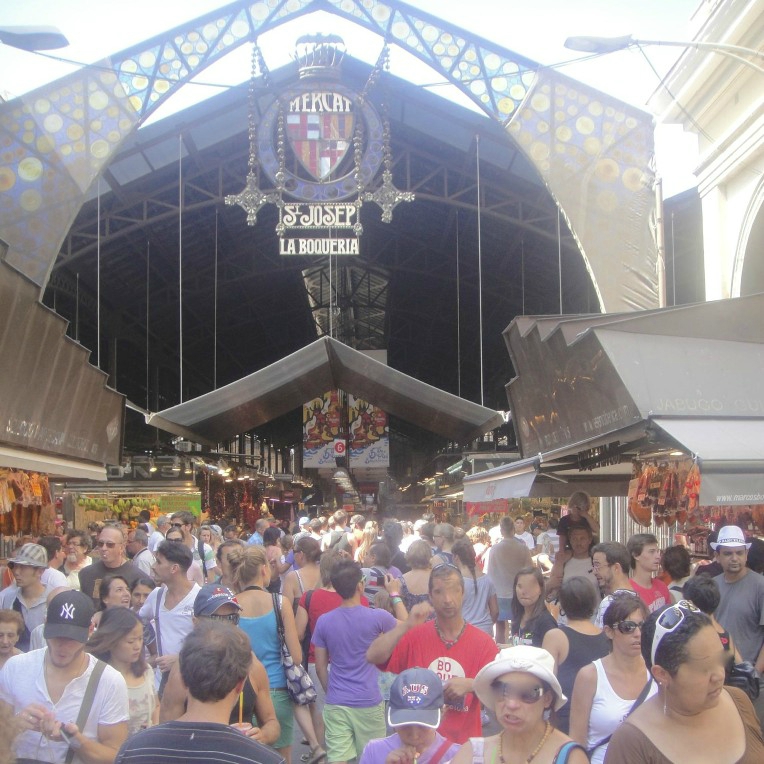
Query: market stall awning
x=730 y=453
x=53 y=466
x=58 y=415
x=323 y=365
x=536 y=478
x=599 y=390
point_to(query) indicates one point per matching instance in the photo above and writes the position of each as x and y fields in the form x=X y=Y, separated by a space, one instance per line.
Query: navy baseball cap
x=416 y=697
x=69 y=616
x=211 y=597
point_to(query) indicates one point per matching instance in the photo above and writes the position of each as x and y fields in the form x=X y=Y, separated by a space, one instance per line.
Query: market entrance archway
x=592 y=152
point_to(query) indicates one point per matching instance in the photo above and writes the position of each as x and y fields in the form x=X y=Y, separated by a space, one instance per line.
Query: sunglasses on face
x=176 y=525
x=231 y=618
x=527 y=695
x=668 y=621
x=628 y=627
x=108 y=544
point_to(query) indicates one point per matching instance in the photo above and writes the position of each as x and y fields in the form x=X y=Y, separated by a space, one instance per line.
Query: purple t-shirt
x=346 y=633
x=376 y=751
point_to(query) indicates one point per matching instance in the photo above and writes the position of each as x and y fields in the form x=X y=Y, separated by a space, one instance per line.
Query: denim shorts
x=505 y=608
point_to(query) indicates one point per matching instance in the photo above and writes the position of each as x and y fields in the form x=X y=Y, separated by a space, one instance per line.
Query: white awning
x=55 y=466
x=730 y=453
x=510 y=481
x=713 y=440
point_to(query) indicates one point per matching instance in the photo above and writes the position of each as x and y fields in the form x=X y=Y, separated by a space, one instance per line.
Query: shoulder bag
x=745 y=677
x=299 y=684
x=637 y=703
x=87 y=703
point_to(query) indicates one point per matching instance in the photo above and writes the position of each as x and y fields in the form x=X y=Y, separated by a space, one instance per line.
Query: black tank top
x=248 y=707
x=582 y=650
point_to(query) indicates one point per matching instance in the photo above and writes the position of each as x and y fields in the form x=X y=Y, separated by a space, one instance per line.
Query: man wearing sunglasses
x=741 y=610
x=113 y=562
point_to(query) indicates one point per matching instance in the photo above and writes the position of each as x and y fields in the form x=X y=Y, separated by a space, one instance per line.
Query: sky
x=535 y=29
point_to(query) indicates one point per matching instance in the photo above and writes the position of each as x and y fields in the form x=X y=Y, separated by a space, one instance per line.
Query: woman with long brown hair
x=530 y=618
x=118 y=641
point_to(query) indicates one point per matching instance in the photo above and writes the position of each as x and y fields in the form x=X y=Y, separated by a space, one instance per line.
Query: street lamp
x=33 y=38
x=590 y=44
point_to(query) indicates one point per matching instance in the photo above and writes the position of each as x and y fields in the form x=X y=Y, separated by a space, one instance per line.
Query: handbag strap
x=441 y=752
x=279 y=621
x=156 y=620
x=87 y=703
x=200 y=549
x=634 y=706
x=562 y=756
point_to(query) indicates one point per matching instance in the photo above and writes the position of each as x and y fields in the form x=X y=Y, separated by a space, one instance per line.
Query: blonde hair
x=369 y=538
x=478 y=535
x=246 y=564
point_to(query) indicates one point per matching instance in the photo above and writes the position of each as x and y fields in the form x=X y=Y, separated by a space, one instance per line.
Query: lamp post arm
x=731 y=51
x=591 y=44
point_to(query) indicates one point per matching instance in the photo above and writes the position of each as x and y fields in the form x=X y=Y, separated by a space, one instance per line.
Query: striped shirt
x=178 y=741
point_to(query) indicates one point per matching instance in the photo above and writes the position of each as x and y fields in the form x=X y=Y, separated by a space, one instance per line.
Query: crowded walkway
x=387 y=642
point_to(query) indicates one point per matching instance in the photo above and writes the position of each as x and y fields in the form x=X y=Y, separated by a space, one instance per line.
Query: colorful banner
x=497 y=506
x=321 y=425
x=369 y=438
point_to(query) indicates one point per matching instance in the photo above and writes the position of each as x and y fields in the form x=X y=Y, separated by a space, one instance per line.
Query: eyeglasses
x=598 y=565
x=109 y=544
x=231 y=618
x=175 y=541
x=628 y=627
x=668 y=621
x=527 y=695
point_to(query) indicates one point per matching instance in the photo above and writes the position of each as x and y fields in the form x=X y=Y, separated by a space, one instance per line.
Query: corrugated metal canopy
x=58 y=414
x=323 y=365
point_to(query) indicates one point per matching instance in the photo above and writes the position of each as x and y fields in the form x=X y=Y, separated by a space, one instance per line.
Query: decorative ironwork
x=252 y=198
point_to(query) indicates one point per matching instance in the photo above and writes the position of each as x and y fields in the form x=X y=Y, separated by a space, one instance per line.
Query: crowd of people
x=381 y=644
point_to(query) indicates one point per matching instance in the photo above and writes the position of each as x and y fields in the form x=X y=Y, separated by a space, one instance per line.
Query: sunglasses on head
x=668 y=621
x=628 y=627
x=528 y=695
x=441 y=565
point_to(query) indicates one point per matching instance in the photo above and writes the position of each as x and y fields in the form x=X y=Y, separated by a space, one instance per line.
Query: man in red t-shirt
x=645 y=562
x=452 y=648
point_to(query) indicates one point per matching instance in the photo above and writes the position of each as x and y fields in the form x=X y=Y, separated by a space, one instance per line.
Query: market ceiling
x=413 y=290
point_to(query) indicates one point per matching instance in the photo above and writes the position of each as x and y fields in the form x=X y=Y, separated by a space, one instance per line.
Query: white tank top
x=608 y=711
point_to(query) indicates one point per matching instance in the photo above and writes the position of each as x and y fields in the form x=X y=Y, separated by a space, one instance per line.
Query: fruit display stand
x=122 y=508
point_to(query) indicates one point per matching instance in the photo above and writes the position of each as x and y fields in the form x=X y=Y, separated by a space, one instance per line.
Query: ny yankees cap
x=69 y=616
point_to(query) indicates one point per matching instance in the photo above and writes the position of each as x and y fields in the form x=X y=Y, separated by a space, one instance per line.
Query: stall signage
x=179 y=502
